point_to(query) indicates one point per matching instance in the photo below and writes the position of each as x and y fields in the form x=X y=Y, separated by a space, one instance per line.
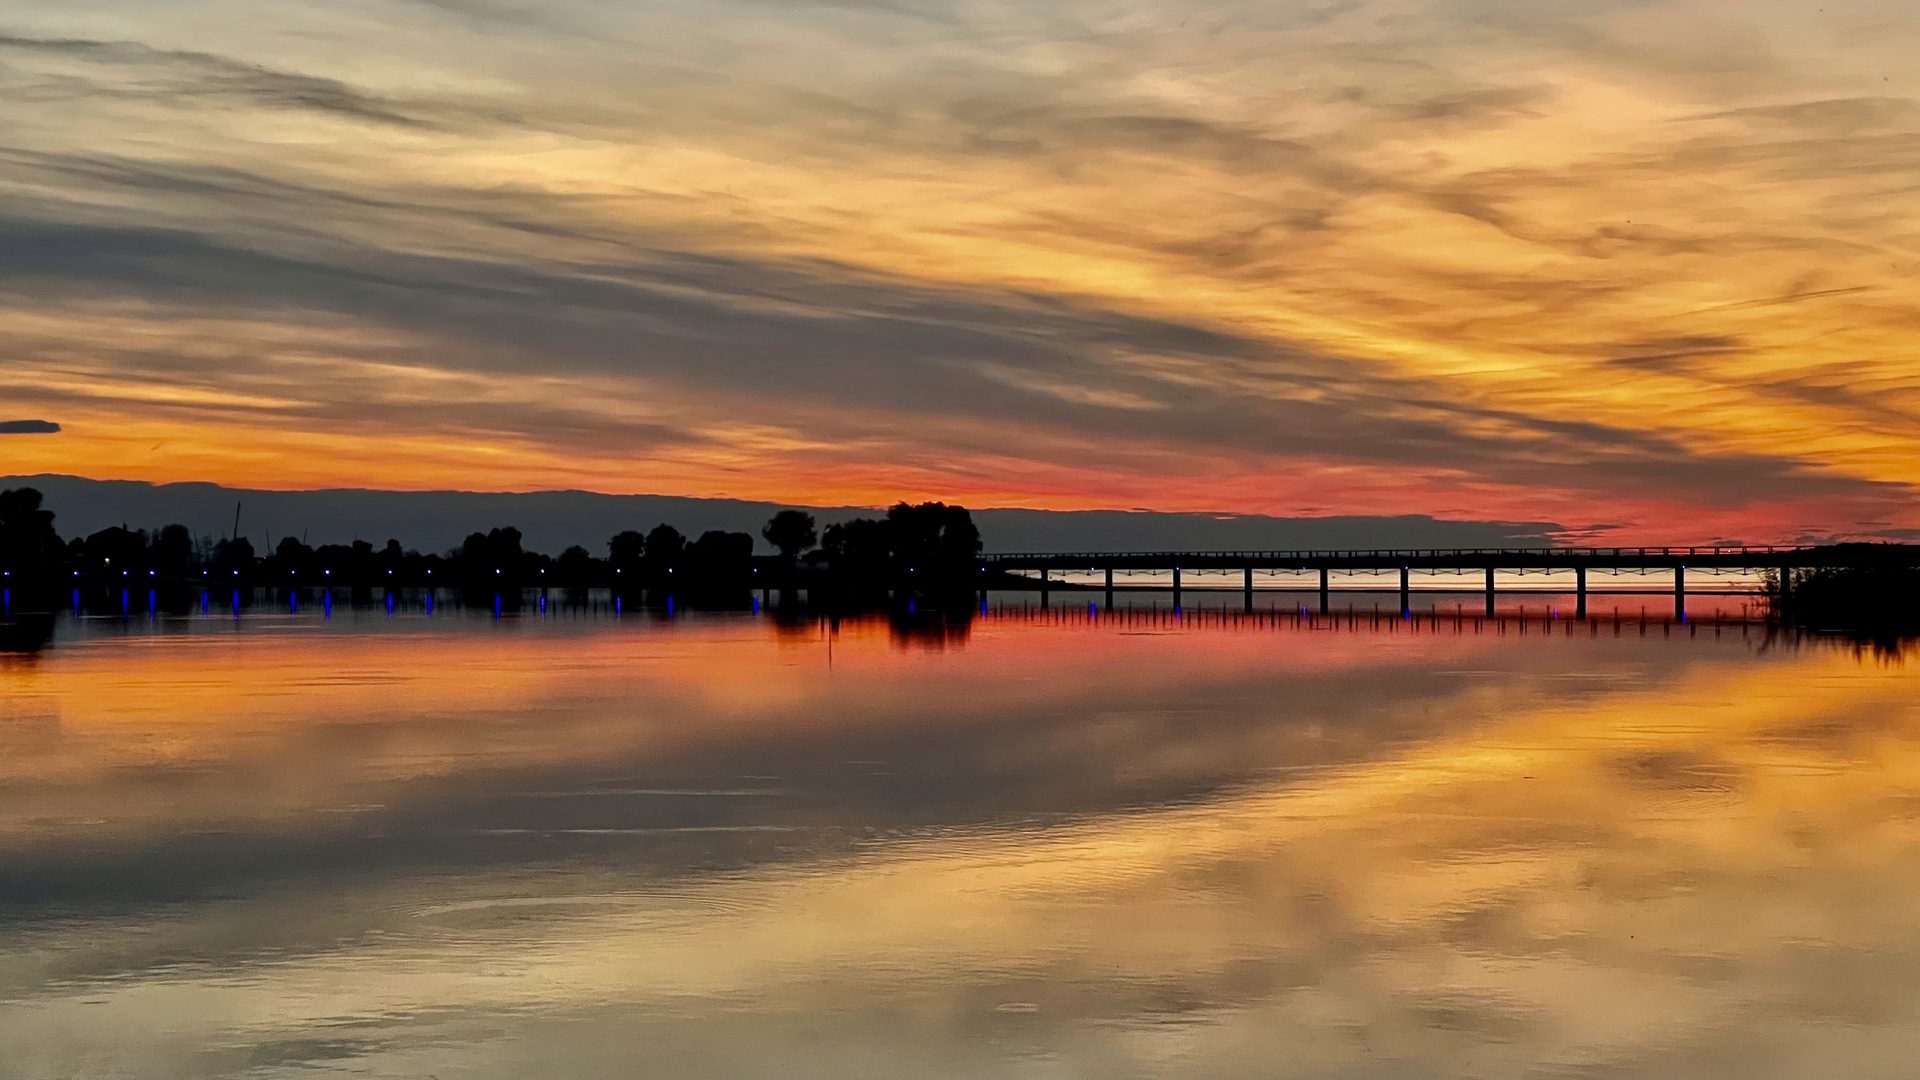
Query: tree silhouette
x=860 y=550
x=933 y=539
x=232 y=555
x=792 y=531
x=666 y=548
x=625 y=550
x=290 y=557
x=171 y=552
x=28 y=544
x=720 y=559
x=575 y=565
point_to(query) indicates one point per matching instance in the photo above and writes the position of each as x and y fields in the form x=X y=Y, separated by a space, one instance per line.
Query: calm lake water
x=1045 y=844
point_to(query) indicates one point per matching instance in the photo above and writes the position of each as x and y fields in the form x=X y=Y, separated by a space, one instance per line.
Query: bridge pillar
x=1406 y=597
x=1323 y=590
x=1680 y=592
x=1489 y=592
x=1580 y=592
x=1248 y=589
x=1176 y=587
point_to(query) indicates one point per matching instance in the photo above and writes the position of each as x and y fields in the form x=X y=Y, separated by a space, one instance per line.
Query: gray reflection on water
x=709 y=848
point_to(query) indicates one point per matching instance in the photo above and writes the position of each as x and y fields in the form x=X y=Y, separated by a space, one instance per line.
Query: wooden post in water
x=1176 y=588
x=1323 y=590
x=1680 y=592
x=1044 y=583
x=1580 y=592
x=1109 y=588
x=1406 y=599
x=1489 y=592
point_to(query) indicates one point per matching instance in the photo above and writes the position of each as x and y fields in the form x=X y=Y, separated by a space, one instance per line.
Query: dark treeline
x=923 y=549
x=1877 y=594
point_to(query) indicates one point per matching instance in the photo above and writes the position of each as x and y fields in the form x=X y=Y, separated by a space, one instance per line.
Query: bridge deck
x=1569 y=558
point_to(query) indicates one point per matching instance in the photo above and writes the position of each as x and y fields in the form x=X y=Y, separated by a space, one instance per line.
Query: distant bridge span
x=1488 y=560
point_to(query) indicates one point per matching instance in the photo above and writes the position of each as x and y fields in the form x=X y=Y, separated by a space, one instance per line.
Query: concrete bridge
x=1580 y=560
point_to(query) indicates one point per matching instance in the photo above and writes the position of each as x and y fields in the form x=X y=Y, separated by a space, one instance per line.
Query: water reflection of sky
x=726 y=847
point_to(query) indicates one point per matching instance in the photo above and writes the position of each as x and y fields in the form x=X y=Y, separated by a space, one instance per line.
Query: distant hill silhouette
x=438 y=521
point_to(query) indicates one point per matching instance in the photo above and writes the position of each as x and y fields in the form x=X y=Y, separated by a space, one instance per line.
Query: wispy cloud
x=1587 y=258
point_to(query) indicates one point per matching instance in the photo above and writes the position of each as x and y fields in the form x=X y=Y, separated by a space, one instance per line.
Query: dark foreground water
x=1045 y=845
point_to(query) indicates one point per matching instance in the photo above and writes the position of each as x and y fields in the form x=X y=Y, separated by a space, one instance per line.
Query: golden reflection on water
x=1046 y=851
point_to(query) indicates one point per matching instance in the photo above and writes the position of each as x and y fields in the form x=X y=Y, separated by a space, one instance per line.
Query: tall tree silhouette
x=791 y=531
x=28 y=544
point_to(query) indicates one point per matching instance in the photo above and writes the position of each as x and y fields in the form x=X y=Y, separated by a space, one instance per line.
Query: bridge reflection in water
x=1749 y=621
x=1749 y=568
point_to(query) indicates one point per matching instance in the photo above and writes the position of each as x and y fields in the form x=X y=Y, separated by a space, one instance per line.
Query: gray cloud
x=605 y=277
x=782 y=336
x=28 y=427
x=134 y=71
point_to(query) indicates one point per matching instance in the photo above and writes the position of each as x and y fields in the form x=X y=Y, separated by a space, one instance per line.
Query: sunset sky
x=1646 y=268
